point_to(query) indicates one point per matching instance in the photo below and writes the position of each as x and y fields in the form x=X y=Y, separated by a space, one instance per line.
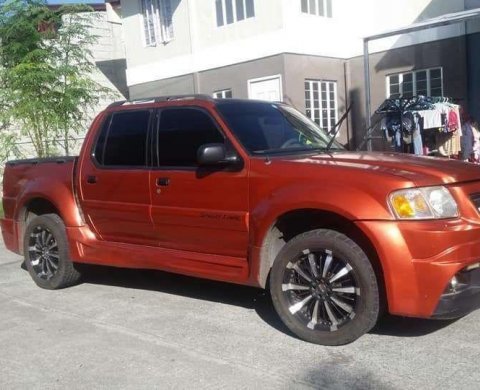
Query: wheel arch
x=294 y=222
x=32 y=207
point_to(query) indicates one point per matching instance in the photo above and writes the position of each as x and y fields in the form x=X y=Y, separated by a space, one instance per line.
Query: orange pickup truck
x=254 y=193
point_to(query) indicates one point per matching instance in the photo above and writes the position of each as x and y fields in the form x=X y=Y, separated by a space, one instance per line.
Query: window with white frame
x=231 y=11
x=223 y=94
x=427 y=82
x=157 y=21
x=317 y=7
x=321 y=102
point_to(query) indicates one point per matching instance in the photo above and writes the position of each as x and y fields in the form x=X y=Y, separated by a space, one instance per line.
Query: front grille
x=475 y=198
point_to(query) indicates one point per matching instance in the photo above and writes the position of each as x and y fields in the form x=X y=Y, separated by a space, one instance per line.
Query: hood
x=423 y=171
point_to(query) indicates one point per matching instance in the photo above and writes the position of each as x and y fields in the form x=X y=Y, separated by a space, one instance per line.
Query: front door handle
x=163 y=181
x=91 y=179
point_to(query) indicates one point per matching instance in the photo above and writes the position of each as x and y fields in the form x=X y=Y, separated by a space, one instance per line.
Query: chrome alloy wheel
x=43 y=252
x=321 y=290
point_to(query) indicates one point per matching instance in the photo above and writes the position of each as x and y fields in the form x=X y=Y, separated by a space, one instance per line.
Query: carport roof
x=443 y=20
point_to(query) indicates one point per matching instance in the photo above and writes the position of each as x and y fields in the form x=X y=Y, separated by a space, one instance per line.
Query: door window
x=123 y=140
x=181 y=132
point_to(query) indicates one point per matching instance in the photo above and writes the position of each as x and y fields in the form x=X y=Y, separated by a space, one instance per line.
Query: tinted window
x=181 y=132
x=123 y=140
x=268 y=127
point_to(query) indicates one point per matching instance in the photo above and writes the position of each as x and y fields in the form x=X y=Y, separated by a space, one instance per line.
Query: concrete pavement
x=139 y=329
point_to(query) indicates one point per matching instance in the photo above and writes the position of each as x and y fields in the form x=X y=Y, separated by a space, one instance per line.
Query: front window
x=231 y=11
x=157 y=21
x=265 y=128
x=317 y=7
x=427 y=82
x=321 y=103
x=181 y=132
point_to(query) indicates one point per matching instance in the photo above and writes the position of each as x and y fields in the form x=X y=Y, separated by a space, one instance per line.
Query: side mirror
x=211 y=154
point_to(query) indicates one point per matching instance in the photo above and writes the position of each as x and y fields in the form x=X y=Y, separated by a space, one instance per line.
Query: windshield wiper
x=337 y=127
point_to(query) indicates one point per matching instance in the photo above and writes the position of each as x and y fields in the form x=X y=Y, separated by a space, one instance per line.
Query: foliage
x=46 y=67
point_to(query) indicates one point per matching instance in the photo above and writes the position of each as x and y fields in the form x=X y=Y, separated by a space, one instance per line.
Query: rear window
x=123 y=140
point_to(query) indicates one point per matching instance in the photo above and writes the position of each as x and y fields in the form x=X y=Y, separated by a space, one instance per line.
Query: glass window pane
x=408 y=89
x=250 y=6
x=229 y=11
x=422 y=85
x=219 y=10
x=394 y=79
x=436 y=92
x=305 y=6
x=239 y=9
x=321 y=9
x=394 y=89
x=313 y=7
x=329 y=9
x=421 y=75
x=408 y=77
x=228 y=94
x=181 y=132
x=436 y=83
x=126 y=141
x=435 y=73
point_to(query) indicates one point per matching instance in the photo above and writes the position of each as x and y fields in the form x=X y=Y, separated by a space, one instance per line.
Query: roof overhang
x=443 y=20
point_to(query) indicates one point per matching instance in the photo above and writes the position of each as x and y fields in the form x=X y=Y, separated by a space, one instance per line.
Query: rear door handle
x=163 y=181
x=91 y=179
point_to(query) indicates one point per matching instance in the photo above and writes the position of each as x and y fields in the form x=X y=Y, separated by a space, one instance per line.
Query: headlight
x=423 y=203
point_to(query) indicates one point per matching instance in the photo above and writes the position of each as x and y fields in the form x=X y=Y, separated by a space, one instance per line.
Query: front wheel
x=324 y=288
x=46 y=253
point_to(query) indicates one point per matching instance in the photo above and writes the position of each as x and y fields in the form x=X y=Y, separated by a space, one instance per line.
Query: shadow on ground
x=408 y=327
x=225 y=293
x=243 y=296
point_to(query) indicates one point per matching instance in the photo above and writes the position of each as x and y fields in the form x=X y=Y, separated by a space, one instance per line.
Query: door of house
x=266 y=88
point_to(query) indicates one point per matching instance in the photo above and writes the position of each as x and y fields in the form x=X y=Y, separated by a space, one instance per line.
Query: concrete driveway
x=138 y=329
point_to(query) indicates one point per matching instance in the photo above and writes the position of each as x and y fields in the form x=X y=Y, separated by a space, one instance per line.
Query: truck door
x=114 y=179
x=195 y=209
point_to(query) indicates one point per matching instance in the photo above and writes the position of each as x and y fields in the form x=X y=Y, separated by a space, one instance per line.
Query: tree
x=46 y=71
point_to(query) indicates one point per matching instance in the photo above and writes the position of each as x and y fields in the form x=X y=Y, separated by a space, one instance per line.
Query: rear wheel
x=46 y=253
x=324 y=288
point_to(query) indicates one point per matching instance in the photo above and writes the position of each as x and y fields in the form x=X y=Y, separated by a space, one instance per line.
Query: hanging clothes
x=467 y=141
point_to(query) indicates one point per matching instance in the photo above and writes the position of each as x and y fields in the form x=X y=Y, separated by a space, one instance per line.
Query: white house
x=305 y=52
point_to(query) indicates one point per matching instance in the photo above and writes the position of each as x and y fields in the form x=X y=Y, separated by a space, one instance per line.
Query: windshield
x=265 y=128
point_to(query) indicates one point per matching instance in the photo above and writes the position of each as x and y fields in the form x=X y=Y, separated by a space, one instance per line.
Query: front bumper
x=454 y=304
x=419 y=259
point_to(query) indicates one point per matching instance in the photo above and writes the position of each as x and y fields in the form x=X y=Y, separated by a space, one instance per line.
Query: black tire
x=46 y=253
x=341 y=309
